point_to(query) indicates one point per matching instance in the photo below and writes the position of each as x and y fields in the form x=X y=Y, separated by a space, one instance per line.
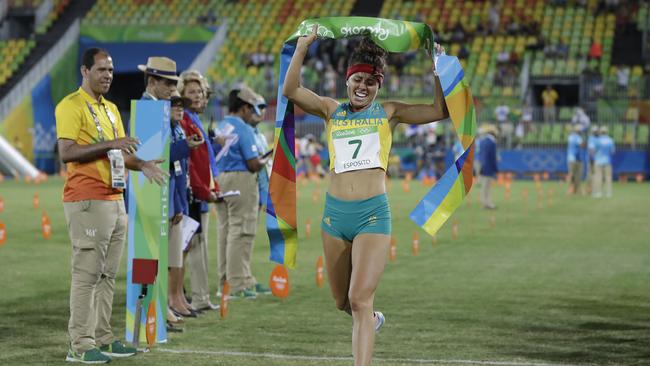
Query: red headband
x=378 y=73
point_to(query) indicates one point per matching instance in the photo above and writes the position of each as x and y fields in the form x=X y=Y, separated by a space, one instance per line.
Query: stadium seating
x=25 y=3
x=263 y=34
x=57 y=9
x=12 y=54
x=153 y=12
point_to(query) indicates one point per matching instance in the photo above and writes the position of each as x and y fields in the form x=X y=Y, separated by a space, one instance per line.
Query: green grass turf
x=564 y=283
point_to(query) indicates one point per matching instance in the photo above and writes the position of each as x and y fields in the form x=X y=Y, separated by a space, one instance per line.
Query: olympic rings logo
x=543 y=160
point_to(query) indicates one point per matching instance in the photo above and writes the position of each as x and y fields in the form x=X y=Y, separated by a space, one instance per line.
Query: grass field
x=557 y=281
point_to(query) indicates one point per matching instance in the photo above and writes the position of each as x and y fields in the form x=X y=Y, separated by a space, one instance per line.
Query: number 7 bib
x=356 y=149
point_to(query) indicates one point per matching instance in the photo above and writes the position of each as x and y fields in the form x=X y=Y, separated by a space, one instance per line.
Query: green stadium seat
x=557 y=133
x=618 y=133
x=643 y=134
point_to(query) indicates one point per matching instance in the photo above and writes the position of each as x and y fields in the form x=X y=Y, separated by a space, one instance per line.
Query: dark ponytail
x=367 y=52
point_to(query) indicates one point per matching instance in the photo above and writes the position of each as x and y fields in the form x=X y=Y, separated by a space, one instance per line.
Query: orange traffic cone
x=415 y=246
x=392 y=254
x=320 y=273
x=454 y=230
x=308 y=228
x=46 y=226
x=3 y=233
x=225 y=294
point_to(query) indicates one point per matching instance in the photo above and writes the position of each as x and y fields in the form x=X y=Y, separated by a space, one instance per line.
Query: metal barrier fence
x=515 y=132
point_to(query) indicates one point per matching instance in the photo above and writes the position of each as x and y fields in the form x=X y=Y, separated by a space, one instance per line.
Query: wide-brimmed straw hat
x=163 y=67
x=490 y=128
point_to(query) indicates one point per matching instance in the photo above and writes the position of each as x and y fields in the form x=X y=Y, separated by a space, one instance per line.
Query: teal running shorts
x=347 y=219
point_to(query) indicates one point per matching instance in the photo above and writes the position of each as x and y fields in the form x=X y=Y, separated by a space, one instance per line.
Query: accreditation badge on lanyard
x=115 y=156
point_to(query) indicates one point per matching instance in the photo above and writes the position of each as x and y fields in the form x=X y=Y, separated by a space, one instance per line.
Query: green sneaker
x=118 y=349
x=91 y=356
x=261 y=289
x=243 y=294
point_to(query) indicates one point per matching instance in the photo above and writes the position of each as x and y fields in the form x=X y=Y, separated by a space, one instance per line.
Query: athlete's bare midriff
x=357 y=184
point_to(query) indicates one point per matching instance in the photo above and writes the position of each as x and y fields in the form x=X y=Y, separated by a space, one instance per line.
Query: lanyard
x=177 y=133
x=96 y=119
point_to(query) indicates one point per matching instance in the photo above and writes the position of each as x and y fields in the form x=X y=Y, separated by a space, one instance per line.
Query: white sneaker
x=379 y=320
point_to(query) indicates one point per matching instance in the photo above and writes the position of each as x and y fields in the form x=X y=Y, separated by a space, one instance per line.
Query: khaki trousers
x=575 y=175
x=237 y=223
x=486 y=191
x=602 y=173
x=97 y=231
x=590 y=177
x=197 y=257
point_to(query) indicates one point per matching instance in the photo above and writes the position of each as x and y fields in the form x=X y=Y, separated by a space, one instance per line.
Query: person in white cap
x=592 y=138
x=237 y=216
x=605 y=149
x=574 y=159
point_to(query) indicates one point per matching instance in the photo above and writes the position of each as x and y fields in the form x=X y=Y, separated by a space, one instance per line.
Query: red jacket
x=199 y=163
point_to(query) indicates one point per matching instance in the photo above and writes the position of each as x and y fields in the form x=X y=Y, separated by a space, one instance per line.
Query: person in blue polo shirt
x=237 y=215
x=574 y=159
x=605 y=149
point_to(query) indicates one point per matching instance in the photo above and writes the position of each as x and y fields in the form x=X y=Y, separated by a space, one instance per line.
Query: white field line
x=344 y=358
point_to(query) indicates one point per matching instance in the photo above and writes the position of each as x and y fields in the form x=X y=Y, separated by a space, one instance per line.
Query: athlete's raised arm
x=304 y=98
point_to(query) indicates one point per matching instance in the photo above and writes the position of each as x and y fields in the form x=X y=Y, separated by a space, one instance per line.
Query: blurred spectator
x=489 y=169
x=463 y=53
x=314 y=149
x=605 y=149
x=574 y=160
x=622 y=77
x=503 y=57
x=501 y=113
x=592 y=137
x=209 y=18
x=581 y=120
x=595 y=51
x=494 y=18
x=458 y=33
x=330 y=81
x=481 y=30
x=513 y=28
x=595 y=80
x=525 y=123
x=562 y=49
x=513 y=58
x=549 y=98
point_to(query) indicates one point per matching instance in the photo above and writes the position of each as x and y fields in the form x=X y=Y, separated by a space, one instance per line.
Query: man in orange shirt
x=91 y=141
